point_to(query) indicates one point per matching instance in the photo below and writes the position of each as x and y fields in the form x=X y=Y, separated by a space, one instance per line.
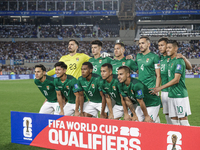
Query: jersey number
x=45 y=93
x=90 y=93
x=72 y=66
x=142 y=67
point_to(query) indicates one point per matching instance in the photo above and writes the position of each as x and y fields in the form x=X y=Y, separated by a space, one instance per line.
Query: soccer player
x=120 y=59
x=46 y=86
x=164 y=59
x=109 y=86
x=68 y=86
x=97 y=60
x=148 y=64
x=179 y=106
x=90 y=85
x=134 y=91
x=73 y=60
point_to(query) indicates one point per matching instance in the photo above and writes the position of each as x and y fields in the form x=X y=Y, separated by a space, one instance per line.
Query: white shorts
x=50 y=108
x=93 y=108
x=165 y=102
x=118 y=111
x=69 y=109
x=179 y=107
x=152 y=111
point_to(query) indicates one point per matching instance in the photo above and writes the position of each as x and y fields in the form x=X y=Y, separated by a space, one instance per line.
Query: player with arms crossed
x=46 y=86
x=97 y=61
x=73 y=60
x=134 y=91
x=109 y=86
x=179 y=106
x=164 y=59
x=90 y=84
x=68 y=86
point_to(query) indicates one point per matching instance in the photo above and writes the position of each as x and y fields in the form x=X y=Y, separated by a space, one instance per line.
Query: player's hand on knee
x=82 y=114
x=103 y=115
x=111 y=116
x=127 y=117
x=135 y=118
x=76 y=113
x=148 y=119
x=61 y=113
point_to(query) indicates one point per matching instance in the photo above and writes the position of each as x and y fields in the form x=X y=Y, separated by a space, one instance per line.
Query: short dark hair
x=77 y=43
x=61 y=64
x=108 y=65
x=127 y=69
x=173 y=42
x=165 y=39
x=97 y=42
x=145 y=37
x=89 y=64
x=41 y=66
x=122 y=44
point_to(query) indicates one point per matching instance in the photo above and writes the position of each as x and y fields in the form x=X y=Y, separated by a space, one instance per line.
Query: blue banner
x=59 y=13
x=167 y=12
x=2 y=61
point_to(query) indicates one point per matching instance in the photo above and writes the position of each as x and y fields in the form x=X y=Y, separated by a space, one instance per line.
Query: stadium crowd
x=54 y=31
x=152 y=5
x=52 y=51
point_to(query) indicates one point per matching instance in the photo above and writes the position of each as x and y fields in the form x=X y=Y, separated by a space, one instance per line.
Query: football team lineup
x=87 y=86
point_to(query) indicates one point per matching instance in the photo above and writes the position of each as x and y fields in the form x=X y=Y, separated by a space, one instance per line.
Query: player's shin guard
x=184 y=122
x=168 y=119
x=175 y=122
x=157 y=119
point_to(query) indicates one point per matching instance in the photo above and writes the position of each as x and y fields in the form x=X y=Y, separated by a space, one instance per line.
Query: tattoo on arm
x=130 y=104
x=107 y=96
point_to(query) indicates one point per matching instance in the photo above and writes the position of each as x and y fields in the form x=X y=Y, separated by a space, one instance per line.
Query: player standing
x=134 y=91
x=46 y=86
x=97 y=61
x=90 y=85
x=164 y=59
x=68 y=86
x=148 y=65
x=73 y=60
x=120 y=59
x=179 y=106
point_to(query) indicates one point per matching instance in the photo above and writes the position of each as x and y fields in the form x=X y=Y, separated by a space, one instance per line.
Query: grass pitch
x=24 y=96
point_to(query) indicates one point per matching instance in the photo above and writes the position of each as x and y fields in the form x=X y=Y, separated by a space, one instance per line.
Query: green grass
x=24 y=96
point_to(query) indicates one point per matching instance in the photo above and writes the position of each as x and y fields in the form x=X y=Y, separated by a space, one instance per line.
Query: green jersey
x=97 y=63
x=146 y=66
x=91 y=88
x=178 y=90
x=164 y=70
x=47 y=88
x=123 y=62
x=138 y=90
x=68 y=88
x=111 y=89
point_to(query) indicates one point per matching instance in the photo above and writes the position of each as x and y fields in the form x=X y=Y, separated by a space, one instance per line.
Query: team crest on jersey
x=67 y=87
x=132 y=91
x=77 y=59
x=93 y=86
x=147 y=60
x=123 y=64
x=168 y=59
x=47 y=87
x=114 y=88
x=100 y=61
